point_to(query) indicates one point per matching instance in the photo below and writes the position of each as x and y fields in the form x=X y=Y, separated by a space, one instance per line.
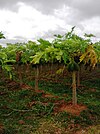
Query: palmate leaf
x=36 y=58
x=50 y=49
x=97 y=50
x=59 y=55
x=9 y=61
x=83 y=56
x=51 y=53
x=65 y=57
x=43 y=43
x=89 y=35
x=58 y=36
x=46 y=56
x=3 y=56
x=89 y=56
x=93 y=61
x=8 y=68
x=61 y=70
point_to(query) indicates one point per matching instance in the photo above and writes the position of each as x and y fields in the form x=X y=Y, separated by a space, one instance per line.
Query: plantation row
x=69 y=49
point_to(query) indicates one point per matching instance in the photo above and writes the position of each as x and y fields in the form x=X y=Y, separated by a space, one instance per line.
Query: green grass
x=18 y=117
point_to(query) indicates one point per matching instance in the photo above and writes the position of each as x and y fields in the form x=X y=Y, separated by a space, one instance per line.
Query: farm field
x=49 y=67
x=50 y=87
x=49 y=110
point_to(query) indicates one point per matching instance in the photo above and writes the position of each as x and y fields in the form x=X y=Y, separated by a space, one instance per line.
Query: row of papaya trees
x=69 y=49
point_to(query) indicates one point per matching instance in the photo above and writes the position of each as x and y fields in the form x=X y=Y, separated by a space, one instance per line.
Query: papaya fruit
x=73 y=66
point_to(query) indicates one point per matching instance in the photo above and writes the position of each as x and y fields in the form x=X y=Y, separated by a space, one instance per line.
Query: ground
x=49 y=109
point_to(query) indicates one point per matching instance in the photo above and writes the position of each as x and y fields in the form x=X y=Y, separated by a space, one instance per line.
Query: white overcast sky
x=22 y=20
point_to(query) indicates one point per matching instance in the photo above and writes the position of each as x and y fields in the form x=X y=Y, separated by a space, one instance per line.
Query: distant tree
x=2 y=35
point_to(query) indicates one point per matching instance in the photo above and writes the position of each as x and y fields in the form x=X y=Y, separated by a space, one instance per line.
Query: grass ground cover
x=26 y=111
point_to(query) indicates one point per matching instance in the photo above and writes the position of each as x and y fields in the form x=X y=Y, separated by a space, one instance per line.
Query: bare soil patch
x=70 y=108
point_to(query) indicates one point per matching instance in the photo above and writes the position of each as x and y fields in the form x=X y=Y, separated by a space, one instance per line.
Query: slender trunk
x=78 y=78
x=36 y=77
x=0 y=69
x=20 y=75
x=74 y=98
x=27 y=69
x=41 y=68
x=51 y=68
x=2 y=74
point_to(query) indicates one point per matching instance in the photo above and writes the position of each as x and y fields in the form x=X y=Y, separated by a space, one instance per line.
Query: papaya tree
x=85 y=53
x=49 y=55
x=72 y=66
x=4 y=61
x=61 y=51
x=14 y=52
x=73 y=47
x=39 y=57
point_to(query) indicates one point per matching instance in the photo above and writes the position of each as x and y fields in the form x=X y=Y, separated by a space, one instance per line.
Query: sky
x=23 y=20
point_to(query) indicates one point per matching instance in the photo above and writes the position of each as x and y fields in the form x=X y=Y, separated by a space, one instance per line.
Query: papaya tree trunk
x=51 y=68
x=78 y=78
x=27 y=70
x=0 y=69
x=41 y=68
x=20 y=75
x=74 y=97
x=36 y=77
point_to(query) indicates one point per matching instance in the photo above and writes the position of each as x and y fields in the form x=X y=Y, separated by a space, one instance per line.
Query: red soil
x=70 y=108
